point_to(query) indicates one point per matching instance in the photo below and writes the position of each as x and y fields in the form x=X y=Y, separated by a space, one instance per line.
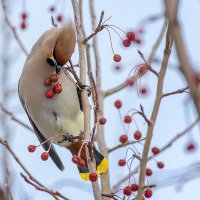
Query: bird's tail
x=101 y=165
x=101 y=161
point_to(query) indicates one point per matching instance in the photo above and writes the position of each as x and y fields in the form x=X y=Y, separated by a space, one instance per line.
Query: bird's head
x=63 y=46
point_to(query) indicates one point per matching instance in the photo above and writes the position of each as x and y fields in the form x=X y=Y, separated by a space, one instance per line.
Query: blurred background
x=180 y=177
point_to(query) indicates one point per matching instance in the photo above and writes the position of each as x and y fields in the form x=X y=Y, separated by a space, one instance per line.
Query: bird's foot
x=85 y=87
x=69 y=138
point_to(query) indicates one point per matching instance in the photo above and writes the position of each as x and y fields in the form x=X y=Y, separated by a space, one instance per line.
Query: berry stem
x=110 y=40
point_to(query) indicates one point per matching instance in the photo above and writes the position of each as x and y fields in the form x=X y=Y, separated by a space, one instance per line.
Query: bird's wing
x=53 y=154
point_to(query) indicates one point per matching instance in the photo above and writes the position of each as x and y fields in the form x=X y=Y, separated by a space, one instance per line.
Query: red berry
x=118 y=104
x=54 y=78
x=23 y=25
x=117 y=58
x=47 y=82
x=160 y=165
x=24 y=16
x=148 y=172
x=123 y=139
x=122 y=162
x=126 y=43
x=155 y=150
x=191 y=147
x=117 y=68
x=57 y=88
x=52 y=9
x=137 y=135
x=130 y=36
x=59 y=18
x=75 y=159
x=143 y=91
x=31 y=148
x=134 y=187
x=102 y=120
x=127 y=119
x=93 y=176
x=80 y=163
x=127 y=191
x=49 y=94
x=148 y=193
x=45 y=156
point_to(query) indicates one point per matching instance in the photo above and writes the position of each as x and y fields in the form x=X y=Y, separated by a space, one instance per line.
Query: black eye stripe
x=50 y=62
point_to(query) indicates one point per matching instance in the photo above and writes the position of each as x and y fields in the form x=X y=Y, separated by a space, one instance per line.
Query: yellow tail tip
x=102 y=168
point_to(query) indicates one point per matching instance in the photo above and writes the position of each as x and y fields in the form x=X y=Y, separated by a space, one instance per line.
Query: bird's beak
x=58 y=68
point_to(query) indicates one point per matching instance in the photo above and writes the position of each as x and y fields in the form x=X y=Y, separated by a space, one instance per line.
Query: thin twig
x=124 y=145
x=157 y=43
x=99 y=28
x=12 y=28
x=171 y=10
x=7 y=112
x=142 y=113
x=179 y=91
x=51 y=192
x=86 y=105
x=96 y=105
x=154 y=115
x=100 y=135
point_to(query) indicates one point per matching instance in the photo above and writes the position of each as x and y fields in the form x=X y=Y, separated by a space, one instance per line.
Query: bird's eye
x=51 y=62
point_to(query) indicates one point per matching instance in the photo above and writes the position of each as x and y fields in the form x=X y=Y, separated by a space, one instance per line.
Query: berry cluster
x=59 y=17
x=23 y=24
x=44 y=155
x=57 y=87
x=134 y=188
x=93 y=176
x=78 y=161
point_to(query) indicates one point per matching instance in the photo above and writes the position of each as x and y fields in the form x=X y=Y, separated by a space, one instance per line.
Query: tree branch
x=156 y=107
x=86 y=105
x=12 y=28
x=124 y=145
x=51 y=192
x=171 y=9
x=179 y=91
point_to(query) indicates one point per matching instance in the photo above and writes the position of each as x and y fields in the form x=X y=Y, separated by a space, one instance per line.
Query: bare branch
x=86 y=105
x=12 y=28
x=179 y=91
x=171 y=9
x=124 y=145
x=156 y=107
x=120 y=86
x=157 y=43
x=99 y=27
x=51 y=192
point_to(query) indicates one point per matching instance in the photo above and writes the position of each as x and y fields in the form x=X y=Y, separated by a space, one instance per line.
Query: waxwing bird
x=51 y=99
